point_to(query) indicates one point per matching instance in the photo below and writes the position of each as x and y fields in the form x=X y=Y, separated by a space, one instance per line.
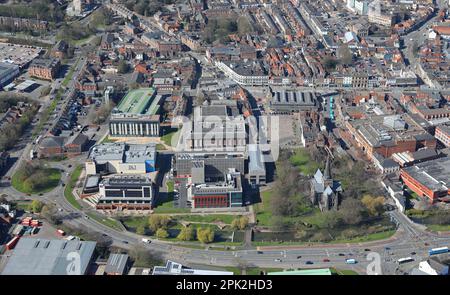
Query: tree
x=50 y=213
x=3 y=199
x=330 y=63
x=374 y=205
x=143 y=257
x=36 y=206
x=345 y=55
x=239 y=223
x=102 y=114
x=140 y=229
x=243 y=25
x=123 y=67
x=156 y=222
x=162 y=233
x=205 y=235
x=352 y=211
x=186 y=234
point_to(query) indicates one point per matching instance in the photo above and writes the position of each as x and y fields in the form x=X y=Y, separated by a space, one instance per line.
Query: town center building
x=136 y=115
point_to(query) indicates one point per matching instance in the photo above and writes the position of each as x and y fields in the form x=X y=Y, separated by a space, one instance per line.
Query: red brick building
x=429 y=179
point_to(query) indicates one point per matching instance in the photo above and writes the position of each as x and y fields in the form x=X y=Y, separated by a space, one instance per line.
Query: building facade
x=45 y=69
x=126 y=192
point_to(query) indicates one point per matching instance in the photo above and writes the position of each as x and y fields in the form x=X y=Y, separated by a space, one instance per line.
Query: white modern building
x=121 y=158
x=243 y=73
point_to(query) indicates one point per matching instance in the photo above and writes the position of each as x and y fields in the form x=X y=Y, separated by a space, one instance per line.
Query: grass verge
x=50 y=179
x=71 y=185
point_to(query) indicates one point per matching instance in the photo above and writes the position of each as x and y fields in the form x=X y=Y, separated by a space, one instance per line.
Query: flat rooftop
x=127 y=153
x=6 y=67
x=434 y=174
x=139 y=101
x=386 y=130
x=33 y=256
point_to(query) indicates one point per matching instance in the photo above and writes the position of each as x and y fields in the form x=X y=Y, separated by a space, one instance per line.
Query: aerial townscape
x=224 y=137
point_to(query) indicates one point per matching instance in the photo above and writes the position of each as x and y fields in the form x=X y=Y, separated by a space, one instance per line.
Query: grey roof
x=92 y=181
x=424 y=154
x=434 y=174
x=128 y=153
x=78 y=139
x=33 y=256
x=255 y=163
x=6 y=68
x=52 y=141
x=116 y=263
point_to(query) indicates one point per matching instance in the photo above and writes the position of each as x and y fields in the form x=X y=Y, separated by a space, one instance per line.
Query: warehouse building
x=136 y=115
x=429 y=179
x=287 y=101
x=121 y=158
x=8 y=72
x=126 y=192
x=117 y=265
x=50 y=257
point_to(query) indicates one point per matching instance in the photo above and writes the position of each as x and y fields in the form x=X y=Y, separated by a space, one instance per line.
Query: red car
x=326 y=260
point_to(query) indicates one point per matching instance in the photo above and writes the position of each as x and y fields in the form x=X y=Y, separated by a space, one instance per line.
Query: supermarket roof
x=311 y=272
x=139 y=101
x=33 y=256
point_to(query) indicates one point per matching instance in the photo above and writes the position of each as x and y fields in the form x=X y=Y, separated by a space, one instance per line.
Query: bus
x=350 y=261
x=440 y=250
x=405 y=260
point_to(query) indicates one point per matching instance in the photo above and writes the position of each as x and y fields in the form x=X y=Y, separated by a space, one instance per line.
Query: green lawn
x=71 y=185
x=50 y=179
x=166 y=206
x=160 y=147
x=367 y=238
x=108 y=139
x=69 y=75
x=167 y=139
x=303 y=161
x=135 y=221
x=262 y=210
x=23 y=206
x=439 y=227
x=107 y=221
